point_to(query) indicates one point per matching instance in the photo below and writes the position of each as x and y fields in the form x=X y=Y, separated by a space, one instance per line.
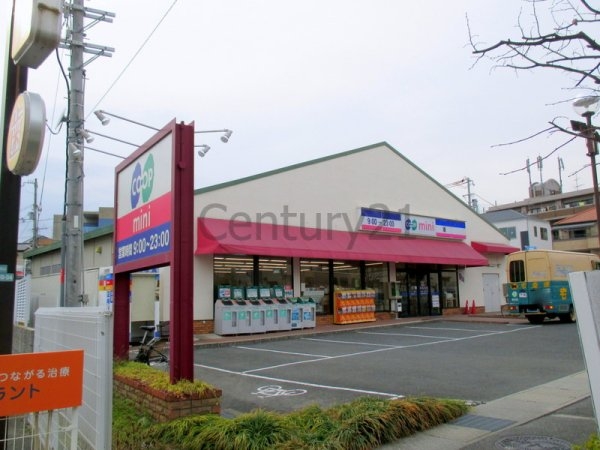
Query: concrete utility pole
x=72 y=223
x=73 y=211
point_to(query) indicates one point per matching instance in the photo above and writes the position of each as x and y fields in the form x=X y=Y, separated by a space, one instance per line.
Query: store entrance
x=420 y=287
x=418 y=293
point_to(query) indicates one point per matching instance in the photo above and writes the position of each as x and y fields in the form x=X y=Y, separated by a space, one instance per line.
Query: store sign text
x=410 y=224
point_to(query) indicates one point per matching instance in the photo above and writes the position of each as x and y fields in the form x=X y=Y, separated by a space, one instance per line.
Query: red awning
x=217 y=236
x=492 y=247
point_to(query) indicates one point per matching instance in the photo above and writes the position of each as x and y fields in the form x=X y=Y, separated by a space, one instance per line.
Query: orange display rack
x=353 y=306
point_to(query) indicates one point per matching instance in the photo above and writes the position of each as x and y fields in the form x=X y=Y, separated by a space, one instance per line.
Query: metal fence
x=48 y=430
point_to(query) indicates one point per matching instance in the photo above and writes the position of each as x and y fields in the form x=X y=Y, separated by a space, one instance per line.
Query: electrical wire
x=135 y=55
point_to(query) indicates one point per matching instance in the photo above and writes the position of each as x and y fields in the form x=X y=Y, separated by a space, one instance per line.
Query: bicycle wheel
x=143 y=356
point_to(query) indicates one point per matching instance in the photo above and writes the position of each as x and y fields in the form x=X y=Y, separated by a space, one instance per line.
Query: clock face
x=25 y=134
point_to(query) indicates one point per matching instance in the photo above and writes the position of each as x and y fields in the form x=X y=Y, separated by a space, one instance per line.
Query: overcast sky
x=299 y=80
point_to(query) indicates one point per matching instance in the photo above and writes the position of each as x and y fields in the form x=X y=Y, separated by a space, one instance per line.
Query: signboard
x=411 y=224
x=144 y=206
x=32 y=382
x=25 y=134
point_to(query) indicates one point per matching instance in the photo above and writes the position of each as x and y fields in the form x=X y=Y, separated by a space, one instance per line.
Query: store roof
x=218 y=236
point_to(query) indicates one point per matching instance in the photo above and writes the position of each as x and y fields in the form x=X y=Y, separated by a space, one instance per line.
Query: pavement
x=555 y=415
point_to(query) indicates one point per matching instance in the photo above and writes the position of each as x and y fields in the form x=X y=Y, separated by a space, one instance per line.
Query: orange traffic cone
x=473 y=308
x=466 y=311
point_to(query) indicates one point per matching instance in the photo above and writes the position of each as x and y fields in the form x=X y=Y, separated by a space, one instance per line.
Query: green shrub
x=365 y=423
x=157 y=379
x=593 y=443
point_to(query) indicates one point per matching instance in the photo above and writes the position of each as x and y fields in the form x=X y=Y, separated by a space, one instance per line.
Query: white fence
x=90 y=329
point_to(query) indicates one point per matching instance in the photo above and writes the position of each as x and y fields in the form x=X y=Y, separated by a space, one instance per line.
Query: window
x=535 y=231
x=346 y=274
x=275 y=271
x=544 y=233
x=516 y=271
x=314 y=283
x=376 y=273
x=449 y=289
x=233 y=270
x=509 y=232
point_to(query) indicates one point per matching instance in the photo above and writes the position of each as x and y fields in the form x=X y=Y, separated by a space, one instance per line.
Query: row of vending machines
x=249 y=316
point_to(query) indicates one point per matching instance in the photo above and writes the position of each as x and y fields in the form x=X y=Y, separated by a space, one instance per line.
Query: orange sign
x=31 y=382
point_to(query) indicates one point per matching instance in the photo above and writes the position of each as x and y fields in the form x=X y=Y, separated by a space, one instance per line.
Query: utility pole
x=73 y=210
x=72 y=223
x=561 y=167
x=34 y=213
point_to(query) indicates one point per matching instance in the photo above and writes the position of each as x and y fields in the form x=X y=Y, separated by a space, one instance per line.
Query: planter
x=164 y=406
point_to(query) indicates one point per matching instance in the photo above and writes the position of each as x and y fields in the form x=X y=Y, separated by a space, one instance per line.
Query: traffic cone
x=473 y=308
x=466 y=311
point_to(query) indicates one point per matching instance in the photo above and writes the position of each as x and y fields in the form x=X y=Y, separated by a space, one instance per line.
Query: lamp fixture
x=203 y=150
x=76 y=152
x=101 y=115
x=225 y=138
x=102 y=118
x=85 y=134
x=112 y=138
x=585 y=106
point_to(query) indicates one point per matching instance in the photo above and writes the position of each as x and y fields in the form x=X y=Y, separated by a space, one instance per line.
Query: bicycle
x=148 y=353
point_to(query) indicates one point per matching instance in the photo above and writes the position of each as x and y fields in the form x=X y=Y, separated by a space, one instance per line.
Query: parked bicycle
x=148 y=353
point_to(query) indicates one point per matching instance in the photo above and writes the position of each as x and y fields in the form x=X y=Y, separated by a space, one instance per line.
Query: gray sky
x=298 y=80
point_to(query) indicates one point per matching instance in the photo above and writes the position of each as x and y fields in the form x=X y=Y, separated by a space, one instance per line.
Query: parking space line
x=312 y=355
x=458 y=329
x=406 y=334
x=302 y=383
x=334 y=341
x=383 y=348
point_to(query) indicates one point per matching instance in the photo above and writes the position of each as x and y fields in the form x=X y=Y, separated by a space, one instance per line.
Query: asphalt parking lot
x=472 y=361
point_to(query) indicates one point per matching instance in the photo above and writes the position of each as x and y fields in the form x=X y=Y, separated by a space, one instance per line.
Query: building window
x=275 y=272
x=346 y=275
x=544 y=233
x=509 y=232
x=376 y=274
x=233 y=270
x=449 y=289
x=314 y=283
x=535 y=231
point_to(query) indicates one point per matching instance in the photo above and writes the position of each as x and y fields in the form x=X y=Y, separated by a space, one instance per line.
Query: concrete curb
x=501 y=414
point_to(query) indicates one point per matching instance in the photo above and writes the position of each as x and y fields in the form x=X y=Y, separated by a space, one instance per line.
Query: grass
x=362 y=424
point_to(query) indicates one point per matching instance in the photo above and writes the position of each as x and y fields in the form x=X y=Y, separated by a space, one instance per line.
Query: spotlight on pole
x=101 y=117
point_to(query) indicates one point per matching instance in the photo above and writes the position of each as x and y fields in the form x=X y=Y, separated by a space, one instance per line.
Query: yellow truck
x=538 y=284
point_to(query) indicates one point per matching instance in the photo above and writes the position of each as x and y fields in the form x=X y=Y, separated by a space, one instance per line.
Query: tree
x=554 y=34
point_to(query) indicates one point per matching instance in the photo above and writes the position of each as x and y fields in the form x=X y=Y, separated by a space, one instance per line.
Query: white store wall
x=328 y=193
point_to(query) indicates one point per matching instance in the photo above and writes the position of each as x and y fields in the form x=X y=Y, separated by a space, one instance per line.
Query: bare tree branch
x=564 y=44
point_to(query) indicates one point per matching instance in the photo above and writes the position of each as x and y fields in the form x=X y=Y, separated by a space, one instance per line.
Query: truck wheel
x=569 y=318
x=536 y=319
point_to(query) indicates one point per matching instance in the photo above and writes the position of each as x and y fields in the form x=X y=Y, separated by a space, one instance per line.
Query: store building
x=365 y=219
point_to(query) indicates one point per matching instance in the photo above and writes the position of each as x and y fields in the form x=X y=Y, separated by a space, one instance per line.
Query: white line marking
x=281 y=351
x=385 y=348
x=406 y=334
x=301 y=383
x=334 y=341
x=456 y=329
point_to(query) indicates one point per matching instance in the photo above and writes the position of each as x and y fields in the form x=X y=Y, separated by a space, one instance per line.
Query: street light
x=587 y=107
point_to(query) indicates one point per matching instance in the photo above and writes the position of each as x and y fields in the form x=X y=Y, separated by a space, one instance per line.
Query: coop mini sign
x=32 y=382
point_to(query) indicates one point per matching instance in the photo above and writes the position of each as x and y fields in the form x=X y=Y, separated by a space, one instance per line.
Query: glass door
x=434 y=286
x=423 y=295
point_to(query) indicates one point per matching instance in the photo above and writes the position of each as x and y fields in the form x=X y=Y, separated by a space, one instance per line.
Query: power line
x=132 y=58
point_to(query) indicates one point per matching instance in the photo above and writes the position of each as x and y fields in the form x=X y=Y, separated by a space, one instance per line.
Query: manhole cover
x=532 y=443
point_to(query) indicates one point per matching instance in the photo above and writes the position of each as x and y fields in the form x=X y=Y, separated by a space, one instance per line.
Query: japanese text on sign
x=31 y=382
